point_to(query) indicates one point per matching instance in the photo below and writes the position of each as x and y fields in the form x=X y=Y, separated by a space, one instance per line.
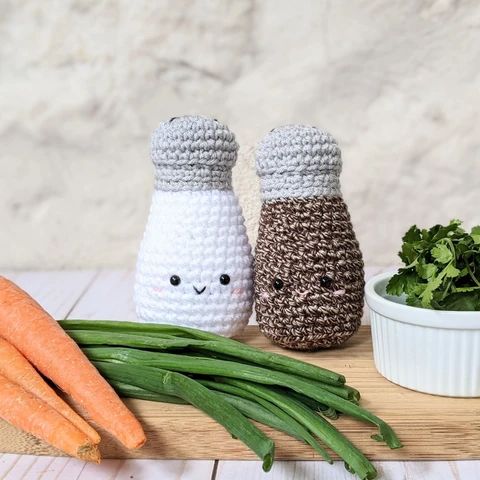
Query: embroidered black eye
x=175 y=280
x=326 y=281
x=224 y=279
x=277 y=284
x=172 y=119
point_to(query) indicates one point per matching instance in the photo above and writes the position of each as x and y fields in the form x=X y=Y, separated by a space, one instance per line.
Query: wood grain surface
x=431 y=427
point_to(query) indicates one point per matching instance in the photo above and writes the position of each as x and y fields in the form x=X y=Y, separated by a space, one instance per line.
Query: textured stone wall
x=83 y=83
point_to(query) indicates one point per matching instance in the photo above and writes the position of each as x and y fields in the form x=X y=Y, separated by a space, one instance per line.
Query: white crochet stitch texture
x=197 y=236
x=195 y=232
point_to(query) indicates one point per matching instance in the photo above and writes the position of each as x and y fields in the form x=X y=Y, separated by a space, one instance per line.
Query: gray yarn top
x=193 y=153
x=298 y=161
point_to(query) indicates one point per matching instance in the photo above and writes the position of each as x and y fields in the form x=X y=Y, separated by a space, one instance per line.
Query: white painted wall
x=83 y=83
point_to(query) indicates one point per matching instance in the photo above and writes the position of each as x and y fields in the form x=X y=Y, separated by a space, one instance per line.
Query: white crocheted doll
x=195 y=264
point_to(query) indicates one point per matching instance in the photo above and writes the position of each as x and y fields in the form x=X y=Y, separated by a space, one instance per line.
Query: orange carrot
x=27 y=412
x=26 y=325
x=16 y=368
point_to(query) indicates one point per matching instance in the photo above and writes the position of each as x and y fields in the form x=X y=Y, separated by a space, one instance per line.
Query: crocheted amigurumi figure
x=308 y=265
x=195 y=264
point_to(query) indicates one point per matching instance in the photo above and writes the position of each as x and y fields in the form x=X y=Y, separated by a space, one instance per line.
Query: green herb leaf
x=442 y=268
x=475 y=234
x=462 y=301
x=441 y=253
x=408 y=254
x=466 y=289
x=451 y=271
x=412 y=235
x=427 y=294
x=402 y=282
x=426 y=270
x=438 y=231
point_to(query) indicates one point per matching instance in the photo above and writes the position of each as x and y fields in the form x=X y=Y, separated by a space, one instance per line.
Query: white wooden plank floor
x=108 y=295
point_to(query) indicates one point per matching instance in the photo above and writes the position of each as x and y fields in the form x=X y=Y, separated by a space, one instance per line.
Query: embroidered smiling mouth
x=199 y=292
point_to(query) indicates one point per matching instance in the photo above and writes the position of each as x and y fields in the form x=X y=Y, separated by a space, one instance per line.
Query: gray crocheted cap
x=298 y=161
x=193 y=153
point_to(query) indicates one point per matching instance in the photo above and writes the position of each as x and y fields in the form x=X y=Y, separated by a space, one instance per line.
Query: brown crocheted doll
x=308 y=265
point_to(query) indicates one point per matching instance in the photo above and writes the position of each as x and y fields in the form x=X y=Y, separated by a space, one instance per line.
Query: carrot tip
x=142 y=443
x=89 y=452
x=139 y=444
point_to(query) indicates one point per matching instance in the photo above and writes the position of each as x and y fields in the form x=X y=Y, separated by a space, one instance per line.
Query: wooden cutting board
x=430 y=427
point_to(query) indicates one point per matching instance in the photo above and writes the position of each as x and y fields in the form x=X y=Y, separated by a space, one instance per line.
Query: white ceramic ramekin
x=430 y=351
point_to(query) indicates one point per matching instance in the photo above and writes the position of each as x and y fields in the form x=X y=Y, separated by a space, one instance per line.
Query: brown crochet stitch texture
x=304 y=242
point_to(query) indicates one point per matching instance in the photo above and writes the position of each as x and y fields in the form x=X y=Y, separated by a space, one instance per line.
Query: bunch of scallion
x=230 y=382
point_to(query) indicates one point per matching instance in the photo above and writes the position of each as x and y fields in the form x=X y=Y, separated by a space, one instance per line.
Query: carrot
x=16 y=368
x=24 y=410
x=26 y=325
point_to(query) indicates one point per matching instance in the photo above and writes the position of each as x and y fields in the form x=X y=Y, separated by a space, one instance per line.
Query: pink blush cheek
x=238 y=291
x=157 y=290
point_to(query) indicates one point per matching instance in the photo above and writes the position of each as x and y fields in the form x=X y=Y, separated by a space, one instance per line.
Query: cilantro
x=442 y=268
x=476 y=235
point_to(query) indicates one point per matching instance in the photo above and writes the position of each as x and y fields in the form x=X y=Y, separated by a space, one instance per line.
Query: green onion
x=354 y=458
x=327 y=412
x=211 y=342
x=278 y=420
x=131 y=391
x=176 y=384
x=189 y=364
x=296 y=428
x=221 y=376
x=298 y=384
